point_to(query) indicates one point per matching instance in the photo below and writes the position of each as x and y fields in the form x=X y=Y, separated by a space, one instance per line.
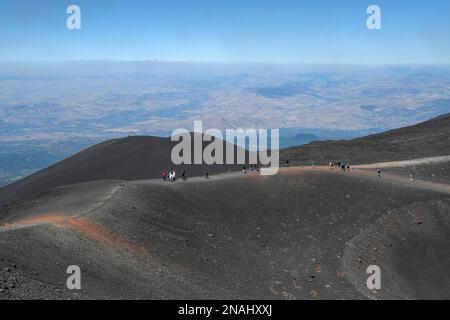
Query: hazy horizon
x=287 y=31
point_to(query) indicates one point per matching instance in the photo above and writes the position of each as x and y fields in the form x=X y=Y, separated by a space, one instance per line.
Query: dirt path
x=405 y=163
x=404 y=181
x=56 y=218
x=365 y=171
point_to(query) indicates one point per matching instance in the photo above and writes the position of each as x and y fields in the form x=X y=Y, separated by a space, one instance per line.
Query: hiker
x=206 y=175
x=244 y=170
x=164 y=173
x=379 y=173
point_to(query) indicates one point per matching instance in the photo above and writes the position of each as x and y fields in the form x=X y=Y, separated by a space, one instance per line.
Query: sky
x=228 y=31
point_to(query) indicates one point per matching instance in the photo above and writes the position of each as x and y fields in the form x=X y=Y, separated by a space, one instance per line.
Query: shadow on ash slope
x=410 y=244
x=303 y=234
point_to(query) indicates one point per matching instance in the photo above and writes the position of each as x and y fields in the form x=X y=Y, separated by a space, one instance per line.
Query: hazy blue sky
x=318 y=31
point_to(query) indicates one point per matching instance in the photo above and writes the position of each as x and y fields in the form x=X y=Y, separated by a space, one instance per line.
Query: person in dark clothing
x=164 y=173
x=206 y=175
x=183 y=174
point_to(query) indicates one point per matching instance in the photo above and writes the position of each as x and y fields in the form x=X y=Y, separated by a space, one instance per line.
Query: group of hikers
x=172 y=175
x=169 y=175
x=253 y=167
x=344 y=166
x=338 y=164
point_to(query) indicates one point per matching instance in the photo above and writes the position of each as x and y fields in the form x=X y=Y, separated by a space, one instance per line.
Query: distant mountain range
x=297 y=140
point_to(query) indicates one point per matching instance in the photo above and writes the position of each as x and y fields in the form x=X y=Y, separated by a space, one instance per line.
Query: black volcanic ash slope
x=297 y=235
x=131 y=158
x=427 y=139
